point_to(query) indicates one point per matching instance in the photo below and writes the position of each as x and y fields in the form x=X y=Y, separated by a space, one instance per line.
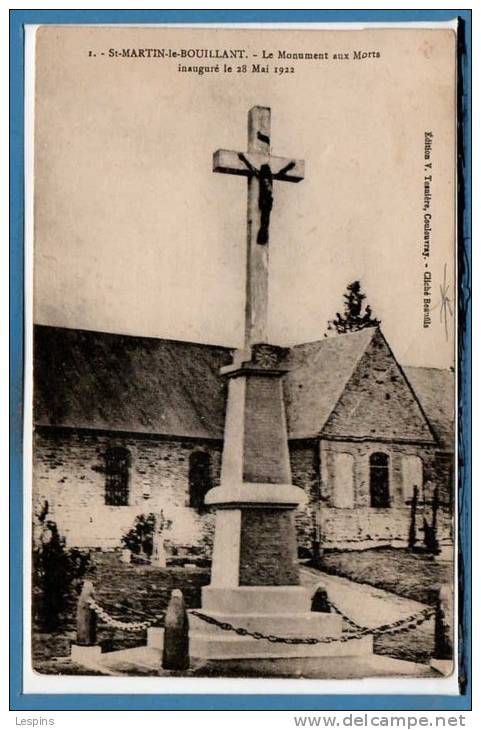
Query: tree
x=356 y=316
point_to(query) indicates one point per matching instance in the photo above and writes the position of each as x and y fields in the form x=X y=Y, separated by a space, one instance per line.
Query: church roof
x=318 y=373
x=86 y=379
x=97 y=380
x=435 y=389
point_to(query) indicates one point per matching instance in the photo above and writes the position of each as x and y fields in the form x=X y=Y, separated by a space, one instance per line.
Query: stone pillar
x=255 y=581
x=443 y=656
x=444 y=624
x=175 y=653
x=255 y=541
x=86 y=651
x=86 y=617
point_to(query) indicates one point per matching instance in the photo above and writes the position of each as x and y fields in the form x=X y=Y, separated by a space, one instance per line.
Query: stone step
x=207 y=646
x=147 y=660
x=228 y=646
x=293 y=624
x=325 y=667
x=256 y=599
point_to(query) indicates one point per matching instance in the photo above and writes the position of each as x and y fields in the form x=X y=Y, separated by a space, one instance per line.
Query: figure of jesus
x=266 y=197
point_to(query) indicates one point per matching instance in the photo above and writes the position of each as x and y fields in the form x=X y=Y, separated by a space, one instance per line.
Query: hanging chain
x=115 y=623
x=259 y=635
x=349 y=621
x=356 y=631
x=402 y=625
x=125 y=607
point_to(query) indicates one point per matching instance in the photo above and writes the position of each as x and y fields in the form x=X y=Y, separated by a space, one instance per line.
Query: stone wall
x=361 y=526
x=304 y=457
x=435 y=468
x=69 y=472
x=377 y=402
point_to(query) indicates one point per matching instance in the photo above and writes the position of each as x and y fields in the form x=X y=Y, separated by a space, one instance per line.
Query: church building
x=125 y=426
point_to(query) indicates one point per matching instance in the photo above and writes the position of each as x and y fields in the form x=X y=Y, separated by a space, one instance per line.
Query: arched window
x=117 y=476
x=200 y=477
x=379 y=479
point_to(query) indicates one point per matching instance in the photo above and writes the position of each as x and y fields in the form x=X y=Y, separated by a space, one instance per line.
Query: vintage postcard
x=243 y=338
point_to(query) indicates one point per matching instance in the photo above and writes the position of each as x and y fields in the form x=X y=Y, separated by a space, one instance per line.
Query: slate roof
x=97 y=380
x=435 y=389
x=318 y=374
x=87 y=379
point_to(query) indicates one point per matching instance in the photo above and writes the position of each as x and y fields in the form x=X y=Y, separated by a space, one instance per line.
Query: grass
x=411 y=575
x=132 y=589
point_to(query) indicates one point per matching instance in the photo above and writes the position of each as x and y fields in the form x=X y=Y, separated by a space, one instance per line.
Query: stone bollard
x=443 y=660
x=443 y=624
x=320 y=601
x=86 y=618
x=175 y=654
x=86 y=650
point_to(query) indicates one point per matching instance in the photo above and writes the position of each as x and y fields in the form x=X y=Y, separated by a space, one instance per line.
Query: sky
x=133 y=233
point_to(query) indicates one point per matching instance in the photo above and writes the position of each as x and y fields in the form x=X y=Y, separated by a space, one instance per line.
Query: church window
x=379 y=479
x=200 y=477
x=117 y=476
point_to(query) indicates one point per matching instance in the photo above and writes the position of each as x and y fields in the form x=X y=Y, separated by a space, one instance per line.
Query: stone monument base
x=281 y=611
x=205 y=646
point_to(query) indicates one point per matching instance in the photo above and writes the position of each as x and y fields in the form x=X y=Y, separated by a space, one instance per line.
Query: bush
x=139 y=539
x=54 y=571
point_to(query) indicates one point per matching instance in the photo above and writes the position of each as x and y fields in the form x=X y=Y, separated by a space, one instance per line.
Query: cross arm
x=282 y=168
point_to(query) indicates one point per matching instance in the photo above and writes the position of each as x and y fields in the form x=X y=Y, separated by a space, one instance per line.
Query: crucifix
x=255 y=579
x=261 y=169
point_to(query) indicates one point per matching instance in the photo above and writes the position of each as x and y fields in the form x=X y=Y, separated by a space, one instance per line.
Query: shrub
x=54 y=571
x=139 y=539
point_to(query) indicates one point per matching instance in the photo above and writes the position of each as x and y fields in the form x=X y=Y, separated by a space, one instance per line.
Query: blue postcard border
x=261 y=702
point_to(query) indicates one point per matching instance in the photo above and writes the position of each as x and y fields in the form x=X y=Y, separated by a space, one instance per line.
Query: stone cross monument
x=255 y=577
x=255 y=540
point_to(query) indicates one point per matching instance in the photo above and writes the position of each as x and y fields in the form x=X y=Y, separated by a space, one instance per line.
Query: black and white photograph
x=243 y=332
